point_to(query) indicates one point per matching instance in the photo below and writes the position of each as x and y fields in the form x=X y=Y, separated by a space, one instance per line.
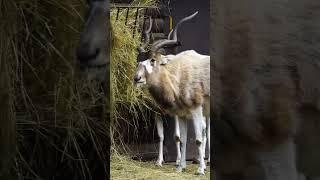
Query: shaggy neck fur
x=171 y=86
x=167 y=88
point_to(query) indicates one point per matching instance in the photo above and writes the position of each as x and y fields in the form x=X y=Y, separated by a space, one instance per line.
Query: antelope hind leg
x=183 y=132
x=197 y=119
x=177 y=139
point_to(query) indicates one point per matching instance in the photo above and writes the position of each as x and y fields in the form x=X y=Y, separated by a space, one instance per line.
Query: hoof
x=180 y=169
x=200 y=172
x=177 y=163
x=159 y=163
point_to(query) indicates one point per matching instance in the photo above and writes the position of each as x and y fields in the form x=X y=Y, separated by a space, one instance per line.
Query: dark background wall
x=193 y=34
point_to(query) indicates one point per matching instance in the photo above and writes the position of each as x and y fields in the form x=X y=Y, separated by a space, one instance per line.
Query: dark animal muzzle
x=137 y=78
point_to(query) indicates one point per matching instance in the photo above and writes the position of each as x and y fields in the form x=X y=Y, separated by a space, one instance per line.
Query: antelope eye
x=152 y=62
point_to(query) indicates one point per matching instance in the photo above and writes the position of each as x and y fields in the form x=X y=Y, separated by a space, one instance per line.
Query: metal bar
x=135 y=23
x=126 y=22
x=137 y=15
x=144 y=21
x=170 y=23
x=118 y=9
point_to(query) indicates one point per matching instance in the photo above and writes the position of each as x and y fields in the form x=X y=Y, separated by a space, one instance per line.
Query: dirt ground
x=123 y=168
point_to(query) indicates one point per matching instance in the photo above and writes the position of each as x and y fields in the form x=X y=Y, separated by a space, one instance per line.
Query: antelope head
x=149 y=62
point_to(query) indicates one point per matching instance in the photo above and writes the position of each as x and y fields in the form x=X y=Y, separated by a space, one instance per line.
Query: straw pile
x=60 y=127
x=132 y=107
x=124 y=168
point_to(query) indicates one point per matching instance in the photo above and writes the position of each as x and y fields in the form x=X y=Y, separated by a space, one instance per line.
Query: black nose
x=137 y=78
x=87 y=53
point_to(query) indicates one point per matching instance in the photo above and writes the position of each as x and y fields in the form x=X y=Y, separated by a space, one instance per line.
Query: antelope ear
x=165 y=59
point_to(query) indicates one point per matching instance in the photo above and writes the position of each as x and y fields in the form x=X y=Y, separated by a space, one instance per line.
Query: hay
x=59 y=118
x=125 y=168
x=131 y=106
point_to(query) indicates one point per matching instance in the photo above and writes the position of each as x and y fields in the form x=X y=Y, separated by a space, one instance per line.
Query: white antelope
x=180 y=84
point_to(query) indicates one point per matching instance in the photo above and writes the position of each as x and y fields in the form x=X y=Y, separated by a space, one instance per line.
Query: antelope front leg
x=159 y=124
x=197 y=119
x=183 y=132
x=177 y=139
